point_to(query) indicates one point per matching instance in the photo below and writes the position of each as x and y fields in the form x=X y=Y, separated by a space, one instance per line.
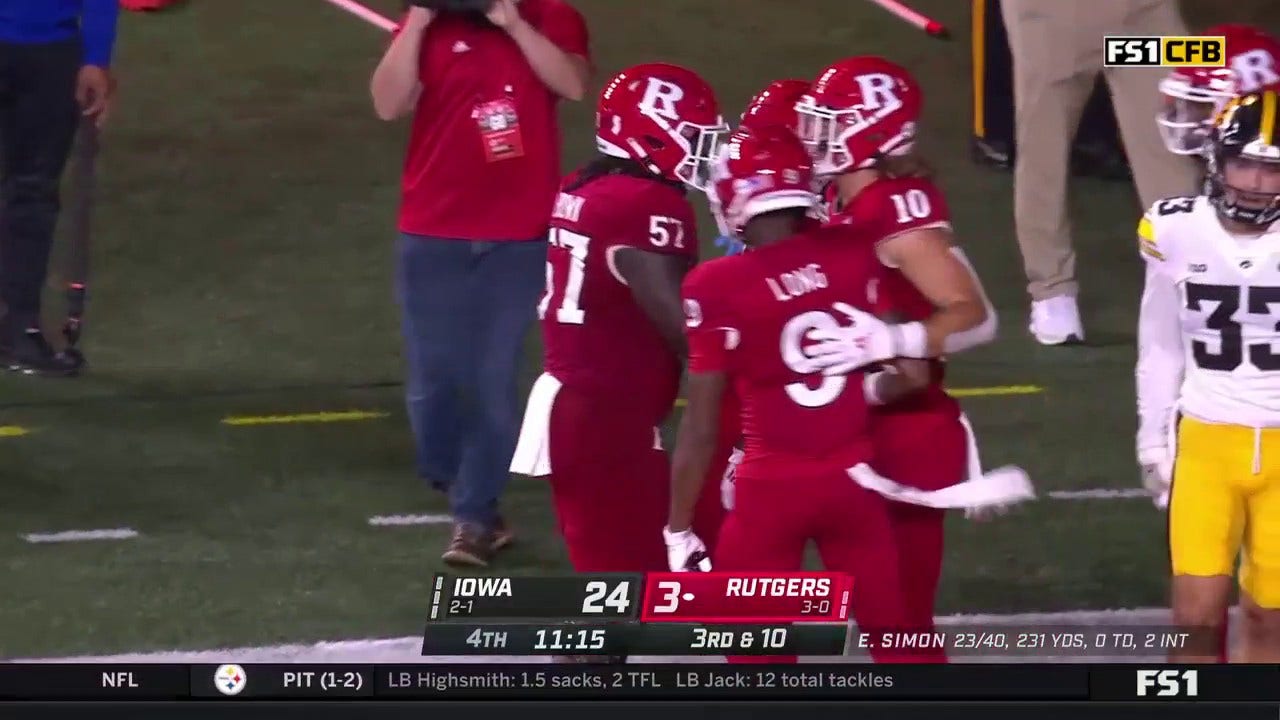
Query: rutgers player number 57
x=663 y=231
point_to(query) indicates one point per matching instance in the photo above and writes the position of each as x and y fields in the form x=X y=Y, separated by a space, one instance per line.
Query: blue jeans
x=465 y=309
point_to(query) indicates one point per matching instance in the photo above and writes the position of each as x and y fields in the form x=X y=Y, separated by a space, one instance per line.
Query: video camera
x=456 y=6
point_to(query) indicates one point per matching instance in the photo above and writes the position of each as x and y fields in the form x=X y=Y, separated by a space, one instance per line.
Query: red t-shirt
x=483 y=161
x=748 y=316
x=595 y=337
x=885 y=209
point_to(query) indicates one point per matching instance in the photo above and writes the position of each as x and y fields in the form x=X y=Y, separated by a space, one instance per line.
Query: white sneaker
x=1056 y=321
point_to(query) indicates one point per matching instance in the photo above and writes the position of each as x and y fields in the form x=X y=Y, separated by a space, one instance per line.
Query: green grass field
x=242 y=266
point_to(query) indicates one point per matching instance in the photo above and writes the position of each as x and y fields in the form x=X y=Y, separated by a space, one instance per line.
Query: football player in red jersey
x=622 y=238
x=773 y=106
x=859 y=123
x=747 y=317
x=1195 y=95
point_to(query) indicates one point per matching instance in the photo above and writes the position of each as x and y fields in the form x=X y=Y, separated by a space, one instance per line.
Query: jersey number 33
x=1226 y=301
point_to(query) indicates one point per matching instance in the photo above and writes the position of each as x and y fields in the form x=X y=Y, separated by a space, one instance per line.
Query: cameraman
x=481 y=79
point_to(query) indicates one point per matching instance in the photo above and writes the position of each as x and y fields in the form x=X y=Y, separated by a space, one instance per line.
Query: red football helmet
x=663 y=116
x=775 y=105
x=760 y=170
x=1194 y=96
x=858 y=110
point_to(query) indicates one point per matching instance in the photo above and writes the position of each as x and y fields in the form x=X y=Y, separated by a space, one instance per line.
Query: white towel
x=1000 y=487
x=533 y=449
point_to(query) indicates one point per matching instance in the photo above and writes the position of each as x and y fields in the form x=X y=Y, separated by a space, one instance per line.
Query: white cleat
x=1056 y=321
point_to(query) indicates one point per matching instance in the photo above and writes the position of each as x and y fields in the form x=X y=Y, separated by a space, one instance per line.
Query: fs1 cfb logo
x=1168 y=683
x=1164 y=51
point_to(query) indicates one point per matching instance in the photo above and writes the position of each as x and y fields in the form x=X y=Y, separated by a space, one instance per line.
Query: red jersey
x=748 y=316
x=885 y=209
x=483 y=161
x=595 y=336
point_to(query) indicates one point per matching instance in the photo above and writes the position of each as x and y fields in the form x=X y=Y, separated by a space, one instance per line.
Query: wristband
x=911 y=340
x=674 y=537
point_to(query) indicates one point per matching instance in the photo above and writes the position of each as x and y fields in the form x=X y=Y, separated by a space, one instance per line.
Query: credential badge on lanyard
x=499 y=127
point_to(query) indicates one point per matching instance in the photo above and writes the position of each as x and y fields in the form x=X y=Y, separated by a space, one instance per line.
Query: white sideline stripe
x=1100 y=494
x=397 y=520
x=81 y=535
x=1090 y=494
x=407 y=649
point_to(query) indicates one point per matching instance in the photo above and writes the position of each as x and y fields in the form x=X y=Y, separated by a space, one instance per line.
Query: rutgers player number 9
x=797 y=360
x=601 y=598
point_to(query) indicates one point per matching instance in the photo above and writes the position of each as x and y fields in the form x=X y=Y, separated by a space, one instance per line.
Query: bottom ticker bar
x=549 y=681
x=542 y=681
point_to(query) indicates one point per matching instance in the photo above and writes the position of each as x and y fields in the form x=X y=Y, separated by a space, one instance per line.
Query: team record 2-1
x=713 y=597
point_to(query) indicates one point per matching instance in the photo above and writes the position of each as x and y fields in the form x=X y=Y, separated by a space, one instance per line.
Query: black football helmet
x=1246 y=129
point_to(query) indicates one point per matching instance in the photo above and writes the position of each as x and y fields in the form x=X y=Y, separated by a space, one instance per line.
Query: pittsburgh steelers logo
x=230 y=679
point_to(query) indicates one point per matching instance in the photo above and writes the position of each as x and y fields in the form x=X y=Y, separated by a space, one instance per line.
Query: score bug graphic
x=607 y=596
x=746 y=597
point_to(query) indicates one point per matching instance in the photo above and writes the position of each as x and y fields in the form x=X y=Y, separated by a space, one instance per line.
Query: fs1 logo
x=1169 y=683
x=1164 y=51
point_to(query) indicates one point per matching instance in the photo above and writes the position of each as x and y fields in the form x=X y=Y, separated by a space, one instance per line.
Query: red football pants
x=773 y=519
x=609 y=484
x=927 y=450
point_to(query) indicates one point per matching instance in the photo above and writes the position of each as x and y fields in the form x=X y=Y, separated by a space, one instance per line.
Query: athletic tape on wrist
x=912 y=340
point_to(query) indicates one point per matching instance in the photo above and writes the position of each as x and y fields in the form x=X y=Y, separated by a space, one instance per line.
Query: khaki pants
x=1057 y=55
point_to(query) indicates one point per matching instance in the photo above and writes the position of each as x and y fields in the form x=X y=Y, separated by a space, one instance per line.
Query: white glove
x=1156 y=474
x=865 y=341
x=726 y=482
x=685 y=551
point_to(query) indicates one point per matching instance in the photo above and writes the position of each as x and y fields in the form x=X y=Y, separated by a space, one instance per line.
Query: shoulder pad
x=1147 y=244
x=1154 y=236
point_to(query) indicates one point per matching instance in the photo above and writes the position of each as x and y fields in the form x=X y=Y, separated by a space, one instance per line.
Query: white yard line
x=81 y=535
x=1099 y=494
x=1088 y=494
x=407 y=649
x=400 y=520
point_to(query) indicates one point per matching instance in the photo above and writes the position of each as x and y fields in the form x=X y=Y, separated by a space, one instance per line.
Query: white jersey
x=1209 y=328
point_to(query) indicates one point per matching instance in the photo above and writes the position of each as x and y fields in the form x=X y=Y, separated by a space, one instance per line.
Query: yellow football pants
x=1225 y=503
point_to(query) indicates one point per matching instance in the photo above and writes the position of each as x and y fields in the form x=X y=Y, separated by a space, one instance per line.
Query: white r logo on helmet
x=1256 y=69
x=660 y=98
x=877 y=91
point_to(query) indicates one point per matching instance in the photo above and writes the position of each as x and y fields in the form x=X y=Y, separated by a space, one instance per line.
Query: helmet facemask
x=698 y=143
x=826 y=134
x=1258 y=207
x=1187 y=115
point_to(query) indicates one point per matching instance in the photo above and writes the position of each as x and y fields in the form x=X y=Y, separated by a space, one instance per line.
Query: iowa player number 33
x=1226 y=301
